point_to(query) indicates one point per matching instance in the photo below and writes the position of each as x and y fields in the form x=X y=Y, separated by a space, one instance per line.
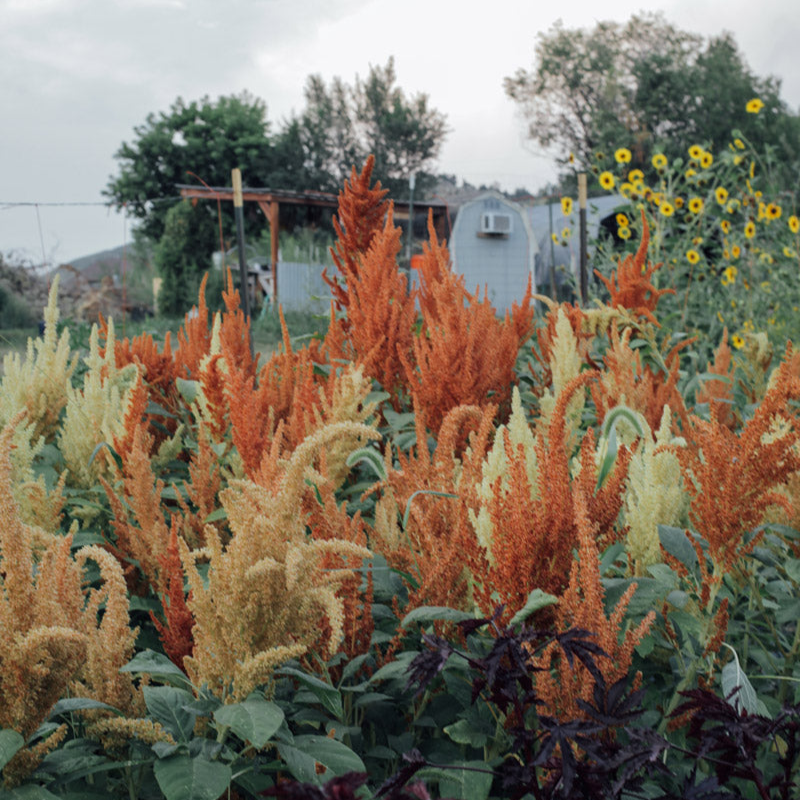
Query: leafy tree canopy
x=646 y=85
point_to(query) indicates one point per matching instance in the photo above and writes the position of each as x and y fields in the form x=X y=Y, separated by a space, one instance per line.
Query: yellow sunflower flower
x=678 y=202
x=627 y=190
x=566 y=206
x=730 y=273
x=789 y=253
x=689 y=174
x=622 y=155
x=622 y=220
x=739 y=144
x=736 y=251
x=659 y=161
x=794 y=224
x=754 y=106
x=566 y=233
x=774 y=211
x=624 y=232
x=750 y=230
x=721 y=193
x=696 y=152
x=606 y=180
x=726 y=226
x=706 y=159
x=666 y=208
x=696 y=205
x=692 y=256
x=636 y=176
x=737 y=341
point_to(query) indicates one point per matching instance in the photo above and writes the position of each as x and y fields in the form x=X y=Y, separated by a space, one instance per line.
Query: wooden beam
x=273 y=241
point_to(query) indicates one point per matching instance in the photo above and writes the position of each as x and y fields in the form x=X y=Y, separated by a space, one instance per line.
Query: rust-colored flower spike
x=563 y=685
x=733 y=479
x=634 y=289
x=463 y=339
x=234 y=334
x=719 y=392
x=534 y=526
x=194 y=338
x=360 y=217
x=438 y=546
x=176 y=630
x=625 y=381
x=380 y=310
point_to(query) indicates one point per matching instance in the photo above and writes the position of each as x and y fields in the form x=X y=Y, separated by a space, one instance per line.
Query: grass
x=267 y=335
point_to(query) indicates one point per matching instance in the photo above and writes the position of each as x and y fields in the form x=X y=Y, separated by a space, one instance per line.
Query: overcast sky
x=76 y=76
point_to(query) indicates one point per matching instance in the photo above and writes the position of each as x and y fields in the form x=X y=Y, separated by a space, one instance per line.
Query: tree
x=643 y=85
x=341 y=125
x=208 y=137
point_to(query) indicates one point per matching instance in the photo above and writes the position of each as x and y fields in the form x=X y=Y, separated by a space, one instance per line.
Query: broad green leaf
x=733 y=676
x=303 y=755
x=792 y=567
x=536 y=599
x=181 y=777
x=677 y=544
x=463 y=732
x=328 y=695
x=427 y=614
x=188 y=389
x=216 y=516
x=10 y=743
x=371 y=457
x=28 y=791
x=167 y=705
x=407 y=512
x=70 y=704
x=255 y=720
x=394 y=669
x=152 y=663
x=472 y=781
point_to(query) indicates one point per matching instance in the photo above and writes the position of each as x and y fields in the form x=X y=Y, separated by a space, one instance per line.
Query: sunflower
x=689 y=174
x=692 y=256
x=726 y=226
x=696 y=152
x=659 y=161
x=696 y=205
x=750 y=230
x=624 y=232
x=606 y=180
x=622 y=220
x=754 y=106
x=794 y=224
x=678 y=202
x=789 y=253
x=721 y=193
x=566 y=206
x=627 y=190
x=554 y=237
x=737 y=341
x=730 y=273
x=739 y=144
x=774 y=211
x=666 y=208
x=566 y=233
x=636 y=176
x=622 y=156
x=706 y=160
x=736 y=251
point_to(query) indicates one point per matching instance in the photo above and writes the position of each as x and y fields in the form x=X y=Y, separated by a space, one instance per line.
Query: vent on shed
x=494 y=224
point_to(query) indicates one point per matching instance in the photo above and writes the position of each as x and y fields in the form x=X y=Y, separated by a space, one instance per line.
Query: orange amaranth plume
x=719 y=391
x=634 y=290
x=361 y=213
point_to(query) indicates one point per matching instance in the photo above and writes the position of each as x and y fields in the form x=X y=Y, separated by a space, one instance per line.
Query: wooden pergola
x=269 y=201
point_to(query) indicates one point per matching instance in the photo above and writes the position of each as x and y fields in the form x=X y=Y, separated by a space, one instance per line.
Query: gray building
x=493 y=247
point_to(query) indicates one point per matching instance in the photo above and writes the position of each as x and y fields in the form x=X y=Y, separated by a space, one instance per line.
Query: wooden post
x=274 y=208
x=582 y=217
x=238 y=210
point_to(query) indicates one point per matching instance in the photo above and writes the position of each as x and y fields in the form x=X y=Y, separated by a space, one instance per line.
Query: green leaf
x=792 y=567
x=371 y=457
x=746 y=698
x=167 y=705
x=536 y=599
x=328 y=695
x=418 y=492
x=10 y=743
x=181 y=777
x=215 y=516
x=112 y=452
x=427 y=614
x=462 y=732
x=255 y=720
x=462 y=784
x=153 y=663
x=189 y=389
x=71 y=704
x=303 y=755
x=677 y=544
x=27 y=792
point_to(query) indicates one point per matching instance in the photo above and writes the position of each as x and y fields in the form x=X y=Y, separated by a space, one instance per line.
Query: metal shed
x=493 y=247
x=565 y=258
